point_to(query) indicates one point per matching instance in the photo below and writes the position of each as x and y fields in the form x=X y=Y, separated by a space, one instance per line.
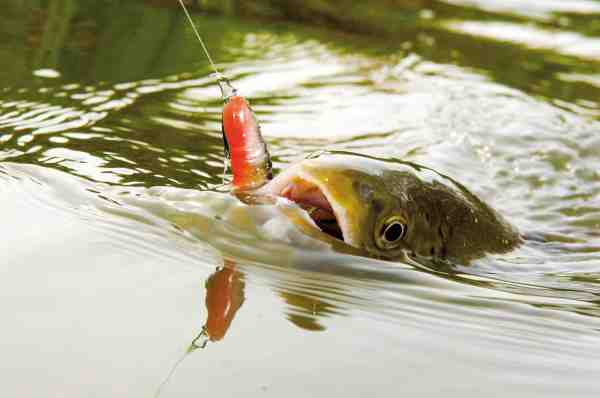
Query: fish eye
x=391 y=233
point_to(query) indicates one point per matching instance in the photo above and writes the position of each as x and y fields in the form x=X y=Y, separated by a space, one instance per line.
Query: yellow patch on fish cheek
x=345 y=201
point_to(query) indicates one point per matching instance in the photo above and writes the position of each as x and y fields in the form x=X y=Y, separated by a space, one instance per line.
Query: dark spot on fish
x=432 y=251
x=377 y=206
x=427 y=217
x=444 y=251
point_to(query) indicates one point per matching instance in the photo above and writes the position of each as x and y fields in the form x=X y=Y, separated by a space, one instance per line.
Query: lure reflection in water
x=224 y=297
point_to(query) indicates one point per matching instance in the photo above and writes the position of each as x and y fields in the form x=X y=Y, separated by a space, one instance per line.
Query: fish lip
x=285 y=179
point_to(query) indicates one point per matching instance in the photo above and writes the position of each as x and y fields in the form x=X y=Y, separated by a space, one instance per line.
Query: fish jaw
x=322 y=190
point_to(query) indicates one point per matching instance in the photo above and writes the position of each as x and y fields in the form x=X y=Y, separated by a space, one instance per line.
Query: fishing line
x=189 y=17
x=227 y=89
x=193 y=347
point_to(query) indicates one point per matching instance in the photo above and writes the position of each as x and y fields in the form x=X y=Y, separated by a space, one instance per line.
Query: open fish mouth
x=312 y=199
x=310 y=193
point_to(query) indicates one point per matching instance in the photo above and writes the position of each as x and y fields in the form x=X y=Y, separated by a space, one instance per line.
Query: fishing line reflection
x=225 y=295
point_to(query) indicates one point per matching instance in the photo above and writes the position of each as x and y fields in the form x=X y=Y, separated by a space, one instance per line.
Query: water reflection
x=224 y=297
x=545 y=9
x=561 y=42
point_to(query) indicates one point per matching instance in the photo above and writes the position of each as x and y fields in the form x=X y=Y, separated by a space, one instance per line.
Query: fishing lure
x=244 y=145
x=250 y=161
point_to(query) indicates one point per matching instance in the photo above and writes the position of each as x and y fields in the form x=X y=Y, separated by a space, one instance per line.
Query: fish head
x=370 y=204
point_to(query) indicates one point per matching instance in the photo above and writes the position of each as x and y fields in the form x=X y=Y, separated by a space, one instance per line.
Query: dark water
x=119 y=245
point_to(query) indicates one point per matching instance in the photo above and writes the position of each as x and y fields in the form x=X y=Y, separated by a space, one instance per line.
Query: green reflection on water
x=107 y=41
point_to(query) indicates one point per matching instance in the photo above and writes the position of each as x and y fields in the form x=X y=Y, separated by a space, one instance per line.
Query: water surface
x=123 y=255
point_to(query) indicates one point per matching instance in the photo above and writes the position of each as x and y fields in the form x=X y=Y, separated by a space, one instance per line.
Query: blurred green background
x=119 y=41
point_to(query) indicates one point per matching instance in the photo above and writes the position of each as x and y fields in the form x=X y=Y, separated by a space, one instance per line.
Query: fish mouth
x=311 y=193
x=311 y=198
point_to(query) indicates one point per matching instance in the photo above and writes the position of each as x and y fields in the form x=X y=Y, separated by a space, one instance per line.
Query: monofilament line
x=189 y=17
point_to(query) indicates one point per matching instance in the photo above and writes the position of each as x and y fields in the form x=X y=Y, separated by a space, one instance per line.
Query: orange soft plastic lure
x=244 y=145
x=247 y=151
